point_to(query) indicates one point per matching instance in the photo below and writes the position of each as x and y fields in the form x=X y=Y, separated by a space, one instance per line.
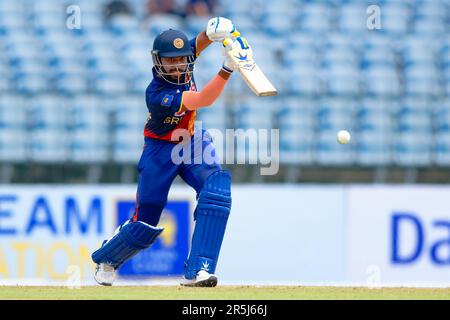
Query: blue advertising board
x=167 y=254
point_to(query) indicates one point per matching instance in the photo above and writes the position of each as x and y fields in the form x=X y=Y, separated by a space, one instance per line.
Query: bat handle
x=226 y=42
x=235 y=34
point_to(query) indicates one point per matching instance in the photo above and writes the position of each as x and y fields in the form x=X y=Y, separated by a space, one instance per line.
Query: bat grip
x=226 y=42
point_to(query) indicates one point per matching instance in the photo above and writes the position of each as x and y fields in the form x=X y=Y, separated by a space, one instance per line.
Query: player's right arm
x=193 y=100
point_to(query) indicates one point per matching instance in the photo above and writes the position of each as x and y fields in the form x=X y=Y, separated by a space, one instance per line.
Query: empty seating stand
x=77 y=95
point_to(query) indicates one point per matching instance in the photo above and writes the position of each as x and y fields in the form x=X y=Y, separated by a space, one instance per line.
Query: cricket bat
x=249 y=70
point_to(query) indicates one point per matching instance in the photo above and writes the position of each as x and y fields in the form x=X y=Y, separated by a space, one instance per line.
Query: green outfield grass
x=219 y=293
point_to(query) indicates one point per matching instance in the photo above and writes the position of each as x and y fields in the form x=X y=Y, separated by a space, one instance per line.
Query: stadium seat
x=315 y=17
x=30 y=84
x=13 y=145
x=296 y=145
x=296 y=121
x=330 y=153
x=441 y=125
x=303 y=41
x=381 y=81
x=412 y=150
x=49 y=146
x=430 y=17
x=13 y=112
x=11 y=6
x=89 y=129
x=278 y=24
x=130 y=115
x=13 y=128
x=13 y=20
x=374 y=133
x=89 y=145
x=303 y=80
x=330 y=71
x=395 y=18
x=123 y=24
x=352 y=18
x=71 y=84
x=110 y=84
x=159 y=23
x=127 y=146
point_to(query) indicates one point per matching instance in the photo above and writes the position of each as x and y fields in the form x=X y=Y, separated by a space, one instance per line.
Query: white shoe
x=104 y=274
x=203 y=279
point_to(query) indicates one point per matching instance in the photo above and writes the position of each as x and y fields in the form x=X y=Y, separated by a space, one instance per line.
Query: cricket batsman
x=172 y=101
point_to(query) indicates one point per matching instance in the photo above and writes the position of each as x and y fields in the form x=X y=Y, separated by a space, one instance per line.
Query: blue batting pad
x=211 y=215
x=132 y=238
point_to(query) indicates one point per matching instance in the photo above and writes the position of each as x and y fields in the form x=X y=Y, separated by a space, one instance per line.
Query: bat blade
x=258 y=82
x=252 y=74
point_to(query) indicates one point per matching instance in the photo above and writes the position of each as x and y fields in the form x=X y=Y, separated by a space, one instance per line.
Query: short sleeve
x=164 y=102
x=193 y=43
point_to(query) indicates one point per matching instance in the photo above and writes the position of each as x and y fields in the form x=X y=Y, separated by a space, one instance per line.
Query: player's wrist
x=224 y=74
x=227 y=69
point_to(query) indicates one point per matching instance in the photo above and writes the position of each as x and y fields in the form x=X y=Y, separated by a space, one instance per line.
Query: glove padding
x=219 y=28
x=240 y=48
x=228 y=63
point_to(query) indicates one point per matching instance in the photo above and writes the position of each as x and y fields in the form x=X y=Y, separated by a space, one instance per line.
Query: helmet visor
x=174 y=72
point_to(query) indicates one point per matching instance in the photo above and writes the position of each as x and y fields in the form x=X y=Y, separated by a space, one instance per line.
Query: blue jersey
x=164 y=102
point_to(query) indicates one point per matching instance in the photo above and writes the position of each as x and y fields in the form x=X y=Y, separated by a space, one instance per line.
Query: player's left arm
x=217 y=30
x=201 y=42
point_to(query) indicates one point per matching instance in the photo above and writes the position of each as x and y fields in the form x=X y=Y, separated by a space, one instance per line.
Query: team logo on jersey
x=178 y=43
x=167 y=100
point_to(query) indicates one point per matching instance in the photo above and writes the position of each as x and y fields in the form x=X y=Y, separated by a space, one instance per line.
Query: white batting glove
x=228 y=63
x=219 y=28
x=239 y=48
